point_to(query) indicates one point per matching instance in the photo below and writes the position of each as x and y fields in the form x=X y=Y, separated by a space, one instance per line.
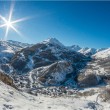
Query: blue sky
x=81 y=23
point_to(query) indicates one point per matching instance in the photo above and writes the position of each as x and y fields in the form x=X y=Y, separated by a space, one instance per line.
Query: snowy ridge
x=103 y=54
x=90 y=51
x=16 y=46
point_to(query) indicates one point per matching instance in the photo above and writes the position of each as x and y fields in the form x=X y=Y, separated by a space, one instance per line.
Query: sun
x=8 y=23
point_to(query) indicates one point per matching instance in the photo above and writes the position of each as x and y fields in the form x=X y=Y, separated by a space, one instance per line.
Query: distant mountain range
x=50 y=63
x=89 y=51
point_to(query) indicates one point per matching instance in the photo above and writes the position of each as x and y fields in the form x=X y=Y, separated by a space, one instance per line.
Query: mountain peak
x=53 y=41
x=75 y=47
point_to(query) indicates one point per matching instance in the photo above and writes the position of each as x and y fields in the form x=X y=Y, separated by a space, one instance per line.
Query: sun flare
x=8 y=23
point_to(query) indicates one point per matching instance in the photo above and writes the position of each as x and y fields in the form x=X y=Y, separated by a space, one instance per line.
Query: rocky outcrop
x=7 y=79
x=88 y=80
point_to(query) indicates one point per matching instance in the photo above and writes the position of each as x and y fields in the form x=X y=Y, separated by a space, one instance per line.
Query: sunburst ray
x=9 y=23
x=2 y=25
x=6 y=33
x=19 y=20
x=11 y=12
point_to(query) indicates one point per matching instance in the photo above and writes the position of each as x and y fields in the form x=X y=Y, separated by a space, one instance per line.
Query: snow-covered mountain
x=52 y=69
x=43 y=54
x=7 y=51
x=103 y=54
x=53 y=41
x=86 y=51
x=46 y=62
x=12 y=45
x=74 y=47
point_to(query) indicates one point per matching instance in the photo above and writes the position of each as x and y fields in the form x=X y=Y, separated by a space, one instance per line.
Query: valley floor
x=11 y=99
